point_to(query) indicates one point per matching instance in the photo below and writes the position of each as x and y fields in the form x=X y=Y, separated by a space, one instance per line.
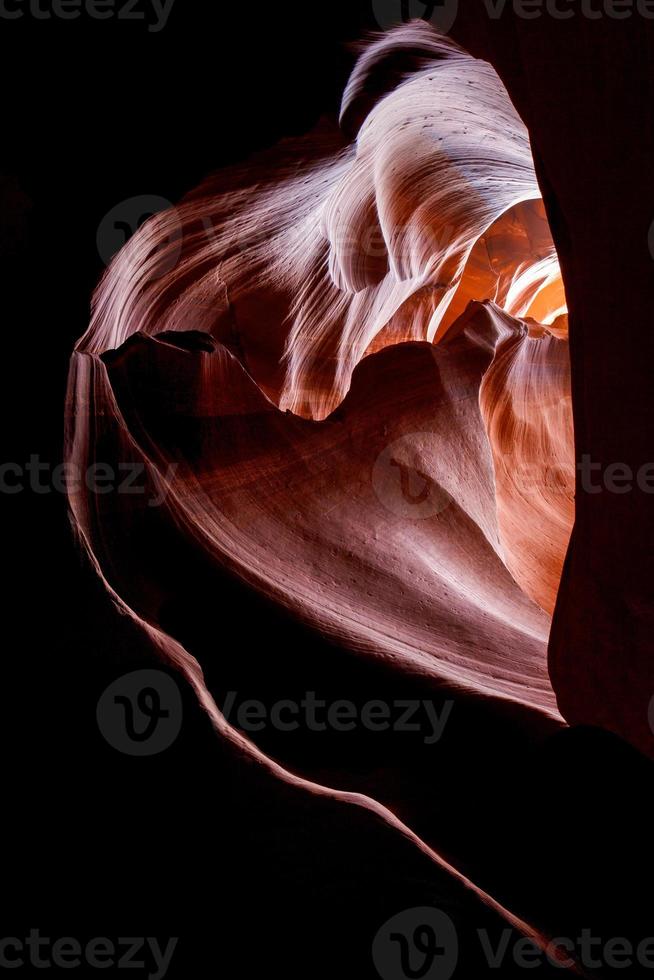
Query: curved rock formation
x=346 y=376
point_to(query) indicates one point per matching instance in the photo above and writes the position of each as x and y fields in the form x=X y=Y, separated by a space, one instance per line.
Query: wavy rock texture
x=347 y=376
x=526 y=404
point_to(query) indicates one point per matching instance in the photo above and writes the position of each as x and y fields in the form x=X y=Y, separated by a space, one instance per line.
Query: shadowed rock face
x=345 y=369
x=600 y=207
